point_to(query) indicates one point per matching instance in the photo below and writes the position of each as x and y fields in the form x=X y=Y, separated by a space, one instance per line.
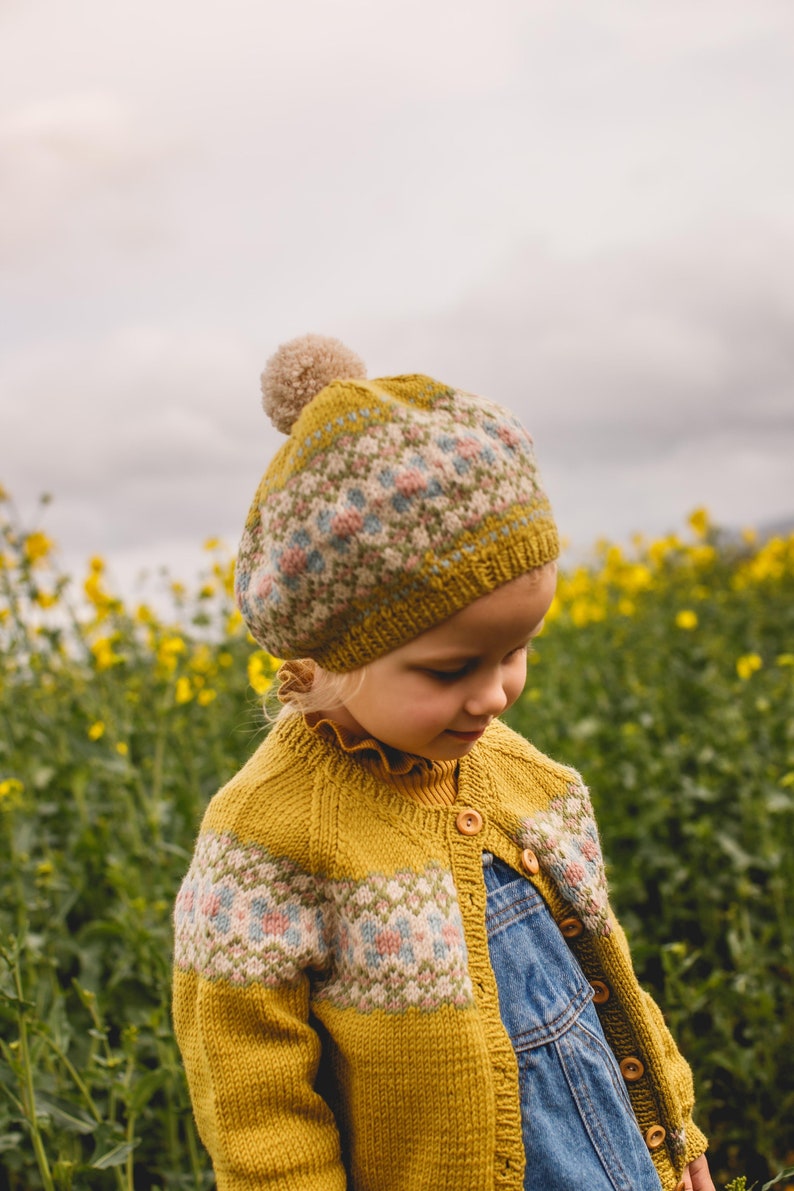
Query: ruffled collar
x=391 y=762
x=295 y=678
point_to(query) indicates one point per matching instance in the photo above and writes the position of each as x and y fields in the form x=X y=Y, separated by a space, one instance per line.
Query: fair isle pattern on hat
x=393 y=504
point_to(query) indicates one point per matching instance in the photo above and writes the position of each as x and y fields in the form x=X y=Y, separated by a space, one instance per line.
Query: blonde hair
x=307 y=688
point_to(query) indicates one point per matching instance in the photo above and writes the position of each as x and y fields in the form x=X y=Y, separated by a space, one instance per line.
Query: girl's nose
x=487 y=697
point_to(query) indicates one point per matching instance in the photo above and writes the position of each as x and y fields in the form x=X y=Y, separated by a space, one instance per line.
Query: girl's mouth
x=468 y=737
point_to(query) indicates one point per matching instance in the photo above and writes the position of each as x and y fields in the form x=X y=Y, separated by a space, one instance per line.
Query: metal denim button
x=529 y=862
x=469 y=822
x=655 y=1136
x=632 y=1069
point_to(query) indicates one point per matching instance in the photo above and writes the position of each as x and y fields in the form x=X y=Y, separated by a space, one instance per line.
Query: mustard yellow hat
x=393 y=504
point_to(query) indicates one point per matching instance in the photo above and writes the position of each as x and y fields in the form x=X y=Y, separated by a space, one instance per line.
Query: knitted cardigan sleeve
x=249 y=929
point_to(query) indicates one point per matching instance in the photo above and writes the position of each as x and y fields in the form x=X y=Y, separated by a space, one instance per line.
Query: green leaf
x=114 y=1157
x=145 y=1088
x=68 y=1116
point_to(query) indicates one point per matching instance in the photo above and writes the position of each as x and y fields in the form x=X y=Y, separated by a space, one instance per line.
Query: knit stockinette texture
x=393 y=504
x=319 y=893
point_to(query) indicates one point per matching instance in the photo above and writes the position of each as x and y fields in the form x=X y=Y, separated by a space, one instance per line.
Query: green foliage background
x=664 y=677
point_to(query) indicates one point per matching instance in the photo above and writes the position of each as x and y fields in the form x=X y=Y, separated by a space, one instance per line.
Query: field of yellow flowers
x=665 y=674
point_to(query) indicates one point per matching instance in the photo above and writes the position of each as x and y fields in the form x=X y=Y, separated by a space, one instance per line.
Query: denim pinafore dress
x=578 y=1126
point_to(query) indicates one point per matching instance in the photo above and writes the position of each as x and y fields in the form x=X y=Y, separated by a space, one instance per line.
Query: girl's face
x=435 y=696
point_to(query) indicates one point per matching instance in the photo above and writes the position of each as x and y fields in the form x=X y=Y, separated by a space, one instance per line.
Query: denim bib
x=578 y=1126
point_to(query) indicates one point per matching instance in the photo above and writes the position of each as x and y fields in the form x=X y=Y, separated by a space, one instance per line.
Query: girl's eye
x=446 y=675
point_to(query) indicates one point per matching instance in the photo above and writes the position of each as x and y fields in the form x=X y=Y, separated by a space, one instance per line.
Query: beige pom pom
x=298 y=371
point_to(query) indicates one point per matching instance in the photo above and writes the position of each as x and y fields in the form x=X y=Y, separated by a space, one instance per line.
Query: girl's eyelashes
x=448 y=675
x=462 y=671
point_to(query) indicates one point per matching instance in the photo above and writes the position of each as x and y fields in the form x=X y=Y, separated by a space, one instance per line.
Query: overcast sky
x=582 y=210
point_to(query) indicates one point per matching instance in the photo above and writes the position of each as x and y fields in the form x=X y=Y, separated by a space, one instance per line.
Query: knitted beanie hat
x=393 y=504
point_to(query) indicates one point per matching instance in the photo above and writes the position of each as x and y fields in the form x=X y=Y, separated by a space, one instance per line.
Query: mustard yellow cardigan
x=333 y=998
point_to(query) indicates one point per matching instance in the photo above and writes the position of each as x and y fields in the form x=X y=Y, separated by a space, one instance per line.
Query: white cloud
x=143 y=437
x=81 y=163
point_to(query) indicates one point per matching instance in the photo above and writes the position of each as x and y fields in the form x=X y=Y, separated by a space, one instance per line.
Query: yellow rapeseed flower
x=261 y=669
x=37 y=547
x=747 y=665
x=10 y=790
x=686 y=619
x=773 y=561
x=122 y=748
x=183 y=692
x=95 y=593
x=168 y=651
x=46 y=599
x=104 y=655
x=636 y=578
x=96 y=730
x=785 y=659
x=702 y=555
x=698 y=521
x=212 y=543
x=3 y=495
x=584 y=612
x=661 y=549
x=226 y=575
x=206 y=697
x=233 y=622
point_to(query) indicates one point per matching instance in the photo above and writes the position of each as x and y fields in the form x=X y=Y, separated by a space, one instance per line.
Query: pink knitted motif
x=565 y=839
x=385 y=942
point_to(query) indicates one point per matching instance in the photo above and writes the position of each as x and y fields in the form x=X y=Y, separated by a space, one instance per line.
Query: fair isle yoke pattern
x=393 y=499
x=385 y=942
x=565 y=839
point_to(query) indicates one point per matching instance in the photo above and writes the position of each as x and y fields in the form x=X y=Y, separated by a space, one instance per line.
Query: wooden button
x=632 y=1069
x=571 y=927
x=680 y=1186
x=469 y=822
x=529 y=862
x=601 y=993
x=655 y=1136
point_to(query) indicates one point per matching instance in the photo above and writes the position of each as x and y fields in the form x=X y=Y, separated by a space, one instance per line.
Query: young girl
x=396 y=964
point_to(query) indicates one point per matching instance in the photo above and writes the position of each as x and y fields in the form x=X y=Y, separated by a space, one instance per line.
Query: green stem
x=130 y=1131
x=193 y=1151
x=27 y=1088
x=78 y=1080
